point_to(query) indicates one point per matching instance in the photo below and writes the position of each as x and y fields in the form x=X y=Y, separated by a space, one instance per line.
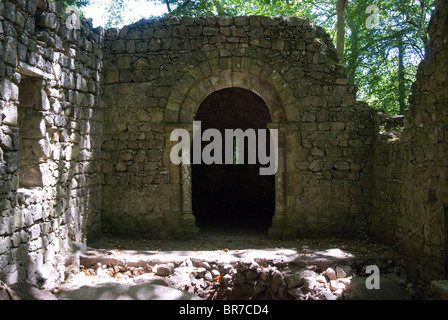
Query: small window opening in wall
x=31 y=132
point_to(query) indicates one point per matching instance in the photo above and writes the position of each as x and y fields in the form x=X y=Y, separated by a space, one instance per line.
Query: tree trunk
x=353 y=59
x=219 y=8
x=168 y=6
x=340 y=10
x=401 y=79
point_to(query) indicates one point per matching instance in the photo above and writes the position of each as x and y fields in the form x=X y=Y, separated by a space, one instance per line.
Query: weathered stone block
x=48 y=20
x=342 y=166
x=10 y=51
x=278 y=44
x=124 y=62
x=337 y=126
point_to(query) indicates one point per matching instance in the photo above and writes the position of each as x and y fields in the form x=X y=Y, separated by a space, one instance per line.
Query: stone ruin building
x=86 y=118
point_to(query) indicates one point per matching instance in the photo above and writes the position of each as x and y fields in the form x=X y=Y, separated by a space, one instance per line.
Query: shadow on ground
x=219 y=261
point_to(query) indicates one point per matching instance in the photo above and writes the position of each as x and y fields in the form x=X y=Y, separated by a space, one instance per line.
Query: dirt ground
x=114 y=260
x=231 y=240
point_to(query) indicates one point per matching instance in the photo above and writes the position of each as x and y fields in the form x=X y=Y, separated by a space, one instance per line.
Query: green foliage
x=381 y=61
x=236 y=7
x=374 y=56
x=76 y=3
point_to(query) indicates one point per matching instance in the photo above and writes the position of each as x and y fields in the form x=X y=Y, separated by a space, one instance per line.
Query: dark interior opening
x=233 y=197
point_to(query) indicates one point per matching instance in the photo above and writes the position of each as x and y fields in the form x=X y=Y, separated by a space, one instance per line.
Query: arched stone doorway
x=181 y=110
x=230 y=196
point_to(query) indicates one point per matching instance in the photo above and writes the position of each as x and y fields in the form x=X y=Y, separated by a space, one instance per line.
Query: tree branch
x=182 y=6
x=168 y=5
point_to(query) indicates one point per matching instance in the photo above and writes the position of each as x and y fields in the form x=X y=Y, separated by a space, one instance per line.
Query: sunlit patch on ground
x=236 y=267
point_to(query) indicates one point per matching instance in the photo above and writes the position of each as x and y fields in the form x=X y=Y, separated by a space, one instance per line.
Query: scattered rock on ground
x=330 y=273
x=164 y=269
x=236 y=274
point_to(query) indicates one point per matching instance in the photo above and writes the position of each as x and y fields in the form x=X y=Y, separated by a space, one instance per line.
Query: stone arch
x=220 y=73
x=243 y=72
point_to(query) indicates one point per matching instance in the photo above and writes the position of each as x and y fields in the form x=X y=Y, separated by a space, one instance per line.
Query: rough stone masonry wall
x=411 y=174
x=156 y=74
x=49 y=97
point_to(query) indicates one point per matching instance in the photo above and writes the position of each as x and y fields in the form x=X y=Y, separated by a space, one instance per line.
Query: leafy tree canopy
x=382 y=41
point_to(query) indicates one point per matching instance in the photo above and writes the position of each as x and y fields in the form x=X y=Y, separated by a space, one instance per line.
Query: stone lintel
x=31 y=71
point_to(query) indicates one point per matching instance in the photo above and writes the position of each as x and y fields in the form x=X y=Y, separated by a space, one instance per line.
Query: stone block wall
x=50 y=138
x=86 y=118
x=157 y=73
x=411 y=174
x=389 y=171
